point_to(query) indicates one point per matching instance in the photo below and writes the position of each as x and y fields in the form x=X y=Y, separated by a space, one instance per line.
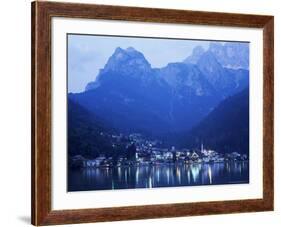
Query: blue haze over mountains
x=203 y=98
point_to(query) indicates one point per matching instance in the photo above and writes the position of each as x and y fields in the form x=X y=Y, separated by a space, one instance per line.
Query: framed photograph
x=144 y=113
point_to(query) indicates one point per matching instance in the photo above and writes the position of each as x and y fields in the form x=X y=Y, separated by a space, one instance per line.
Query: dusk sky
x=87 y=54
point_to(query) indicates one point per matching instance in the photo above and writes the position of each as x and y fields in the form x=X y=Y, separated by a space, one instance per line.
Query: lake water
x=166 y=175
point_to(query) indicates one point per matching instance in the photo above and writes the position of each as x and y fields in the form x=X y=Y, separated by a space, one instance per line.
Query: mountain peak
x=198 y=51
x=216 y=46
x=131 y=49
x=126 y=61
x=234 y=55
x=118 y=50
x=125 y=54
x=208 y=59
x=196 y=54
x=118 y=53
x=209 y=65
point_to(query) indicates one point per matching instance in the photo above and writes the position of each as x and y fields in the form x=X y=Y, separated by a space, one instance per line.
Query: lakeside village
x=141 y=152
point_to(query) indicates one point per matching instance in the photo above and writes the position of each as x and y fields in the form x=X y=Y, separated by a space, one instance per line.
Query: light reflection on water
x=169 y=175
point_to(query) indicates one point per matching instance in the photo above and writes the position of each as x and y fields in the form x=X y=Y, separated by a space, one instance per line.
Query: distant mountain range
x=134 y=97
x=230 y=55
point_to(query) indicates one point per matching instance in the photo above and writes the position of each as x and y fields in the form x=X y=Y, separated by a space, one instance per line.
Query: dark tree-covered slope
x=226 y=128
x=87 y=135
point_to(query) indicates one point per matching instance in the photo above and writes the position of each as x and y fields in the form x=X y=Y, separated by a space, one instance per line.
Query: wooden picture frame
x=42 y=12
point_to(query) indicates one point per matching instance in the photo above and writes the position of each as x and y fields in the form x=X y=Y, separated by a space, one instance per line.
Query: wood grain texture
x=42 y=12
x=268 y=113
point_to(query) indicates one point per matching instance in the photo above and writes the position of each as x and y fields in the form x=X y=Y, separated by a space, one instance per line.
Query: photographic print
x=141 y=113
x=154 y=112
